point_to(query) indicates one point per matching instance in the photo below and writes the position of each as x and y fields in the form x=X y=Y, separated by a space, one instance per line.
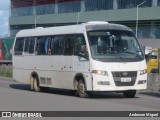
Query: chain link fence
x=5 y=70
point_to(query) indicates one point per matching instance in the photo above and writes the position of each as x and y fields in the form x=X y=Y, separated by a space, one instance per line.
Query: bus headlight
x=100 y=72
x=143 y=72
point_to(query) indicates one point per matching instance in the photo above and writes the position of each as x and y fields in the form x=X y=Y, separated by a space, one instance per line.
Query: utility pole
x=35 y=20
x=137 y=17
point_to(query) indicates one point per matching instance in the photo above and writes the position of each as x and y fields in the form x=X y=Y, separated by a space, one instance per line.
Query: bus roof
x=71 y=29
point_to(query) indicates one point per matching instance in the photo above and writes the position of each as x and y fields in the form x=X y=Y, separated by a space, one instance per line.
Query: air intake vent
x=46 y=81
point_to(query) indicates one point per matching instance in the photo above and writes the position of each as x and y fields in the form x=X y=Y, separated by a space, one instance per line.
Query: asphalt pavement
x=15 y=96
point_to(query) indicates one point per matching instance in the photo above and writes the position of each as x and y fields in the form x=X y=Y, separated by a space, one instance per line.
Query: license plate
x=125 y=79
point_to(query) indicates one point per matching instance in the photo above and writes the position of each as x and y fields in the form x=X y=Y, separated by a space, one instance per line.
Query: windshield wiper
x=115 y=54
x=131 y=53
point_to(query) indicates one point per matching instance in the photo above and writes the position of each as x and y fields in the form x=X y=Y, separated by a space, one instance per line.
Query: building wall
x=153 y=84
x=66 y=12
x=40 y=7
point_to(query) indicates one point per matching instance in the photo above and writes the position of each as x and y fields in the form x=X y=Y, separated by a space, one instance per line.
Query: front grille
x=129 y=74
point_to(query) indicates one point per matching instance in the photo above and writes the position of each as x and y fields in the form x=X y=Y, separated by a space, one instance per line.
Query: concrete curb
x=150 y=93
x=6 y=78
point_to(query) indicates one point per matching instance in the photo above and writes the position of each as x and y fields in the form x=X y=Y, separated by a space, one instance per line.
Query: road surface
x=15 y=96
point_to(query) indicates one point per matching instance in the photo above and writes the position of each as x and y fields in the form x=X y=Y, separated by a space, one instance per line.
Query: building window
x=23 y=11
x=91 y=5
x=158 y=3
x=45 y=9
x=69 y=7
x=123 y=4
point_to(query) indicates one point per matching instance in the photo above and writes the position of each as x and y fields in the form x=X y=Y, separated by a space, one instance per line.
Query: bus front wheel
x=81 y=89
x=129 y=93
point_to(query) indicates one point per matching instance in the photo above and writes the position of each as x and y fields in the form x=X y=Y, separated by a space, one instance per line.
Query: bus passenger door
x=57 y=48
x=81 y=64
x=68 y=62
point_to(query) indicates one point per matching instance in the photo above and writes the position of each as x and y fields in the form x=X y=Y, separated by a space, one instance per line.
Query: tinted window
x=154 y=53
x=26 y=47
x=41 y=44
x=18 y=50
x=80 y=44
x=69 y=45
x=114 y=45
x=57 y=45
x=31 y=45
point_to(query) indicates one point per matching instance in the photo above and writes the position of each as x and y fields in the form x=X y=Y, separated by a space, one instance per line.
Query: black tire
x=81 y=89
x=154 y=71
x=129 y=94
x=36 y=87
x=44 y=89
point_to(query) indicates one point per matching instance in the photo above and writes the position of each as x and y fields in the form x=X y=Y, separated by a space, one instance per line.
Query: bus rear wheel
x=36 y=87
x=129 y=93
x=81 y=89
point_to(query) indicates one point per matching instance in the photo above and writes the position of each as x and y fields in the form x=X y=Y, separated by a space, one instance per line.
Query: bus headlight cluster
x=143 y=72
x=100 y=72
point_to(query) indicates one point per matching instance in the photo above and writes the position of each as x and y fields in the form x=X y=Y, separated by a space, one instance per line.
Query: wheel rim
x=35 y=84
x=81 y=89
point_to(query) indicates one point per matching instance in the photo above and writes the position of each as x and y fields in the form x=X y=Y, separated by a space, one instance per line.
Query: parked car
x=152 y=63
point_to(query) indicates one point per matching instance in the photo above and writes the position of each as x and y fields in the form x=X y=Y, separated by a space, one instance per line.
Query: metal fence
x=5 y=67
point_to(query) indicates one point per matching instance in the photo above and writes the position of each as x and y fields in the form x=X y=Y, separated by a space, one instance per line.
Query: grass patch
x=6 y=73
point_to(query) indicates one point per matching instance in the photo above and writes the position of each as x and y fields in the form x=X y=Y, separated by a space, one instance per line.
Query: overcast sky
x=4 y=16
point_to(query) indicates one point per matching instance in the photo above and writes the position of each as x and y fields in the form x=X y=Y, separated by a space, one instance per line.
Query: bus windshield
x=114 y=46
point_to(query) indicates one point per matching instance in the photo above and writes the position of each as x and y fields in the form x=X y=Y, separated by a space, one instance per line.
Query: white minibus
x=89 y=57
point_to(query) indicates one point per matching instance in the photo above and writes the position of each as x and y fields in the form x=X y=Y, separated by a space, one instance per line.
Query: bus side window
x=31 y=45
x=26 y=46
x=48 y=46
x=43 y=45
x=18 y=50
x=57 y=45
x=69 y=46
x=80 y=45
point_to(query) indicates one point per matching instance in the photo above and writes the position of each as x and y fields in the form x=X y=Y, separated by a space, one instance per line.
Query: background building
x=25 y=14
